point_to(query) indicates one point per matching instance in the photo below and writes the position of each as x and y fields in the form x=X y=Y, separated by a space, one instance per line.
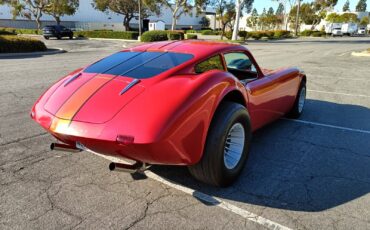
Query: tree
x=346 y=6
x=348 y=17
x=308 y=15
x=280 y=9
x=280 y=15
x=239 y=6
x=227 y=17
x=179 y=7
x=59 y=8
x=204 y=22
x=30 y=9
x=128 y=8
x=252 y=21
x=361 y=6
x=344 y=18
x=364 y=21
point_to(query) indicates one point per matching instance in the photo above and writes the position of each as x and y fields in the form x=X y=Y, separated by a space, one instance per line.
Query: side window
x=239 y=61
x=214 y=62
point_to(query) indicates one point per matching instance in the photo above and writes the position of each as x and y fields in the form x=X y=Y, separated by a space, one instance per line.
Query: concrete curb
x=28 y=54
x=113 y=39
x=361 y=54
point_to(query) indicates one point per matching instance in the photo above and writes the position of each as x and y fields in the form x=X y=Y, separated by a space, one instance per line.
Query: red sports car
x=193 y=103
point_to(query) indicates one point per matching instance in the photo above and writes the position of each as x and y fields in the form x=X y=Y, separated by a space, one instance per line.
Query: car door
x=260 y=89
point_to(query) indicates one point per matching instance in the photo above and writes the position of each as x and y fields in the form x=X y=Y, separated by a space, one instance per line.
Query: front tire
x=299 y=103
x=227 y=146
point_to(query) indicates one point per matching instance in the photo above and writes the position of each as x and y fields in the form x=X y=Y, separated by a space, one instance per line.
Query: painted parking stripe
x=219 y=203
x=345 y=94
x=202 y=196
x=341 y=78
x=328 y=126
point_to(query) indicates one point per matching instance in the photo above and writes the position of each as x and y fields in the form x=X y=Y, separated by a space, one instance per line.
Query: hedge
x=19 y=31
x=209 y=32
x=130 y=35
x=282 y=34
x=154 y=35
x=318 y=34
x=162 y=35
x=243 y=34
x=191 y=36
x=269 y=34
x=306 y=32
x=313 y=33
x=15 y=44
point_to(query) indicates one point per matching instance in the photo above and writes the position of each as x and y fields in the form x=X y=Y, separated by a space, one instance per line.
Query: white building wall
x=88 y=17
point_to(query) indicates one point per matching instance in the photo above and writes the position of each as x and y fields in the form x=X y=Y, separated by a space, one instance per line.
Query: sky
x=260 y=4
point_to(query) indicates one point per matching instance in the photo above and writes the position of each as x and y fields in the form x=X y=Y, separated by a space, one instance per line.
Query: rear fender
x=174 y=115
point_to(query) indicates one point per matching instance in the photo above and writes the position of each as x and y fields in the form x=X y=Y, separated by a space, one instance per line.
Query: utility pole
x=139 y=18
x=297 y=17
x=237 y=19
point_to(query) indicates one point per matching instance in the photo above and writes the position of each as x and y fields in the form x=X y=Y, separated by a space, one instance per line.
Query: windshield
x=138 y=64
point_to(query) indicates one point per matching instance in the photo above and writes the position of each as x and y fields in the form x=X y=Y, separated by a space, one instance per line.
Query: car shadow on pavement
x=297 y=166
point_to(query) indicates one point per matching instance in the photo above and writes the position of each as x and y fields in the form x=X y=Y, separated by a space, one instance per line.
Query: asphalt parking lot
x=307 y=174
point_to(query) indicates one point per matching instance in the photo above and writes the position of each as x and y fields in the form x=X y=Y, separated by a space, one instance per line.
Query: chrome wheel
x=302 y=99
x=234 y=146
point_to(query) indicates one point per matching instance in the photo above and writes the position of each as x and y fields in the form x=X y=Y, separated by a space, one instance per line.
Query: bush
x=176 y=34
x=6 y=32
x=228 y=34
x=207 y=32
x=154 y=35
x=243 y=34
x=282 y=34
x=131 y=35
x=161 y=35
x=20 y=31
x=191 y=36
x=306 y=33
x=191 y=31
x=318 y=34
x=15 y=44
x=256 y=35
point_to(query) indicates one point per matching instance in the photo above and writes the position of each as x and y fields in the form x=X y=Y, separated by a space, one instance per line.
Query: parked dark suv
x=57 y=31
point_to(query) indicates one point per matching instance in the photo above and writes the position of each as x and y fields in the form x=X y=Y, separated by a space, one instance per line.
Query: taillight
x=125 y=140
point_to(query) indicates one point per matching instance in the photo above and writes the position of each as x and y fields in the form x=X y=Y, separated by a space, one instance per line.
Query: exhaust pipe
x=64 y=147
x=137 y=167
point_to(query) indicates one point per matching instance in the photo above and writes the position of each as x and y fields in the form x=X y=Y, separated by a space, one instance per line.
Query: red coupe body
x=154 y=103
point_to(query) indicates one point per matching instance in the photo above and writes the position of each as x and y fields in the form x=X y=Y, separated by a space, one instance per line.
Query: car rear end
x=107 y=108
x=49 y=31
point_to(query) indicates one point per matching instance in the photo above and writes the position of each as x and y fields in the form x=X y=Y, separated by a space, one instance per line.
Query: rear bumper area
x=102 y=139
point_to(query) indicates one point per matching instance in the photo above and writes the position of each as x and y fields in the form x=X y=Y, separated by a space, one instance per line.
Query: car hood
x=92 y=98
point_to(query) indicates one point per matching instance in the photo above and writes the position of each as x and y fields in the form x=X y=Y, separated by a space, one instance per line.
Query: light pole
x=237 y=19
x=297 y=17
x=139 y=17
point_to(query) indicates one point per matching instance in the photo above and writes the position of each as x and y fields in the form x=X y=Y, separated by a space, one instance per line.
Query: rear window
x=138 y=64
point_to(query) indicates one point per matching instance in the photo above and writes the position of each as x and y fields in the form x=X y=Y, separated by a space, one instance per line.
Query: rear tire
x=46 y=37
x=227 y=146
x=59 y=37
x=299 y=103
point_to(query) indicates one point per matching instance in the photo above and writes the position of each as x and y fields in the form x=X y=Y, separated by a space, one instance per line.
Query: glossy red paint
x=166 y=117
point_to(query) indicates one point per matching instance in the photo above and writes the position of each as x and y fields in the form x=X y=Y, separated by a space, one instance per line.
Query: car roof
x=196 y=47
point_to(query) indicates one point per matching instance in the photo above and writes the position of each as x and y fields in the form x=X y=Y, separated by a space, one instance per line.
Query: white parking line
x=345 y=94
x=329 y=126
x=341 y=78
x=219 y=203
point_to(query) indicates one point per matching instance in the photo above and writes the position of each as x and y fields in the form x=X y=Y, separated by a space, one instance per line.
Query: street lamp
x=297 y=17
x=139 y=1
